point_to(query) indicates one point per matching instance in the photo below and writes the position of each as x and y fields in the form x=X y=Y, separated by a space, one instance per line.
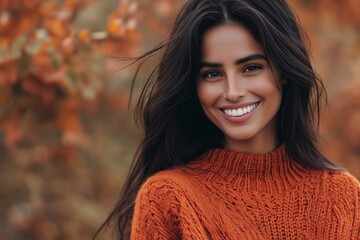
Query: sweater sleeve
x=156 y=211
x=345 y=206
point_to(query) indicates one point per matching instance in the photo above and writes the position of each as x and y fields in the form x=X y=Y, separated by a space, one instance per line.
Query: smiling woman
x=237 y=89
x=229 y=150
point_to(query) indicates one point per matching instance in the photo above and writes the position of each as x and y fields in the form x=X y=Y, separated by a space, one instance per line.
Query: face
x=237 y=89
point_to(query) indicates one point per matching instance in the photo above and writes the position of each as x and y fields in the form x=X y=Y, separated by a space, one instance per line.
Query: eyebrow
x=237 y=62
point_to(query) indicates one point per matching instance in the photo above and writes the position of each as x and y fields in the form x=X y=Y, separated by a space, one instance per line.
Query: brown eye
x=252 y=68
x=211 y=75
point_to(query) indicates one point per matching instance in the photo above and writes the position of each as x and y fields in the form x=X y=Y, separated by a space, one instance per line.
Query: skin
x=235 y=74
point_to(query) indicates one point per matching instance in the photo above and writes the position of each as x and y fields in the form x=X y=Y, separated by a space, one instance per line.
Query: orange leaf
x=35 y=86
x=47 y=73
x=14 y=24
x=116 y=27
x=42 y=58
x=11 y=127
x=68 y=118
x=83 y=36
x=8 y=71
x=118 y=20
x=69 y=122
x=57 y=28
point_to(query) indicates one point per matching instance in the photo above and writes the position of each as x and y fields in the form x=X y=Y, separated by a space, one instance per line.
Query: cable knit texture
x=226 y=194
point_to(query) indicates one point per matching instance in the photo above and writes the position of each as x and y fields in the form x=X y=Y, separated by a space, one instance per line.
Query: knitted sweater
x=247 y=196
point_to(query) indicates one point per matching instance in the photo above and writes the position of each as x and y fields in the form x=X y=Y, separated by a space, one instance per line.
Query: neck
x=263 y=142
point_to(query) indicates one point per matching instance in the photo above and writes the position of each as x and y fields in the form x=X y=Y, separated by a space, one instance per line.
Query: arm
x=156 y=211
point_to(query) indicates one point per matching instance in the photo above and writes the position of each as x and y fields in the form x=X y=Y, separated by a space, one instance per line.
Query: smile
x=240 y=111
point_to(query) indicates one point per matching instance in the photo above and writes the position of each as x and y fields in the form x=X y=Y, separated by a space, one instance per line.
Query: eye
x=252 y=68
x=212 y=74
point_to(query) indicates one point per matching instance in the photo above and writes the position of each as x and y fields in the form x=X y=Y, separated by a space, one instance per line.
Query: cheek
x=207 y=93
x=267 y=88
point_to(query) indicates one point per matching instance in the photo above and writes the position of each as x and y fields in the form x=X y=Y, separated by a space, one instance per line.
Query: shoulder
x=343 y=189
x=157 y=207
x=332 y=179
x=342 y=181
x=336 y=188
x=164 y=186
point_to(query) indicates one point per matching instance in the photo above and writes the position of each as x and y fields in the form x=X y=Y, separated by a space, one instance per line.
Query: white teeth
x=240 y=111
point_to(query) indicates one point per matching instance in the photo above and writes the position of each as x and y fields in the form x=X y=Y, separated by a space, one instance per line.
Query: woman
x=230 y=116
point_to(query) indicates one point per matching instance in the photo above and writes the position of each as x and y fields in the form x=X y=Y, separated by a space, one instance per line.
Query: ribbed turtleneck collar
x=273 y=171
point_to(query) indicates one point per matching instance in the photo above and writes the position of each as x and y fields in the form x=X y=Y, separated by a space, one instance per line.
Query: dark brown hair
x=175 y=128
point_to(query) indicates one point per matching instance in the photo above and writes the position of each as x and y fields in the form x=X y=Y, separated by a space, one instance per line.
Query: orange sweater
x=247 y=196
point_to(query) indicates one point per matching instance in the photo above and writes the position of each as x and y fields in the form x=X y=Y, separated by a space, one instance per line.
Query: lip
x=239 y=119
x=236 y=106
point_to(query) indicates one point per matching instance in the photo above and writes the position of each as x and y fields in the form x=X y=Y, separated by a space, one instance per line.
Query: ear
x=284 y=81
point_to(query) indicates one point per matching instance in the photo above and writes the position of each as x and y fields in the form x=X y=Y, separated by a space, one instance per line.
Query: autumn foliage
x=65 y=140
x=47 y=66
x=56 y=82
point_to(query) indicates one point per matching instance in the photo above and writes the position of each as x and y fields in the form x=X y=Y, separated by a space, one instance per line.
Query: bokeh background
x=67 y=136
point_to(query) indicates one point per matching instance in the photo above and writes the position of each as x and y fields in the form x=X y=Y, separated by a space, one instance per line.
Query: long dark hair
x=175 y=128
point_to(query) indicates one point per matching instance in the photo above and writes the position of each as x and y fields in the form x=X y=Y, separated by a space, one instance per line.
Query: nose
x=235 y=89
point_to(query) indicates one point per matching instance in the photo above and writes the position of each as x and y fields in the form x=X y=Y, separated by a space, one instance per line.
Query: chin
x=240 y=136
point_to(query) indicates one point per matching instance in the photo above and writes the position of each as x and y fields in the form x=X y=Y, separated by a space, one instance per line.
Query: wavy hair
x=175 y=128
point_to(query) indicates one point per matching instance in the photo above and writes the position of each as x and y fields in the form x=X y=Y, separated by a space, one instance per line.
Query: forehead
x=229 y=40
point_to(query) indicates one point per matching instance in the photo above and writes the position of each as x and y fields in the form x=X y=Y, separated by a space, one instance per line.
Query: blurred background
x=67 y=136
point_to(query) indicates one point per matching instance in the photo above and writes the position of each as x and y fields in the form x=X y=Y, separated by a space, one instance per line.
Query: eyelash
x=247 y=69
x=207 y=73
x=253 y=68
